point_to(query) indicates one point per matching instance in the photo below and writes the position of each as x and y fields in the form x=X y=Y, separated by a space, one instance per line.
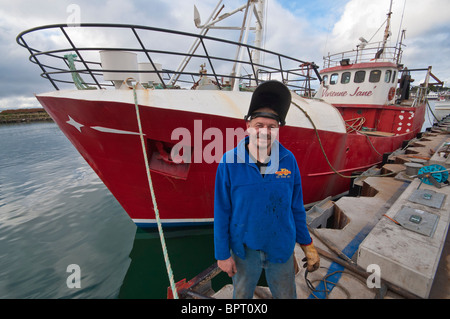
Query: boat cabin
x=363 y=84
x=371 y=89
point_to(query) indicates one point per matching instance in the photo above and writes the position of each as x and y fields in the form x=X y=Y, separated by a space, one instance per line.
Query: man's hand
x=228 y=266
x=311 y=257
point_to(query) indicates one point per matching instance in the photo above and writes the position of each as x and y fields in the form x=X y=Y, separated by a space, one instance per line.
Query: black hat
x=274 y=95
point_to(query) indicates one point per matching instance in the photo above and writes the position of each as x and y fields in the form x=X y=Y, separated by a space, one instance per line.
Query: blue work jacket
x=263 y=213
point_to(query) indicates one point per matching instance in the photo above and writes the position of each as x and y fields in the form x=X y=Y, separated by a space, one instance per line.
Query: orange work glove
x=311 y=257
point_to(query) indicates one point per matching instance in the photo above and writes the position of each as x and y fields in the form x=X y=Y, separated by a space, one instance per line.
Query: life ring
x=391 y=93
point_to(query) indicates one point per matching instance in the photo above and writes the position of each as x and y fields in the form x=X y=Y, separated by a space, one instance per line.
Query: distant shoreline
x=24 y=116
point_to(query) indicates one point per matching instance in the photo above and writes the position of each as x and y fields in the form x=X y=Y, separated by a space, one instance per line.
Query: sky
x=305 y=29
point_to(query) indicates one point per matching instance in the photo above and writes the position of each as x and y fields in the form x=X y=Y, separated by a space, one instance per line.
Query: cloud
x=364 y=18
x=20 y=79
x=305 y=30
x=18 y=102
x=426 y=30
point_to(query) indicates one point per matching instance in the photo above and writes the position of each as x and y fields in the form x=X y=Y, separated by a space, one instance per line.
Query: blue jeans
x=279 y=276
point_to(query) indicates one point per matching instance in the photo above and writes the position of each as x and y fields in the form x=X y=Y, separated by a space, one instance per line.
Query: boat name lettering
x=358 y=92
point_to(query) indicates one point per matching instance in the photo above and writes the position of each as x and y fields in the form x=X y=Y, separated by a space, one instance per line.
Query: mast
x=241 y=52
x=259 y=33
x=399 y=53
x=388 y=26
x=195 y=45
x=252 y=7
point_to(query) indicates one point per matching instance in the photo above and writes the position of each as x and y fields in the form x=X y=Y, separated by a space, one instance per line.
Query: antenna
x=363 y=43
x=401 y=23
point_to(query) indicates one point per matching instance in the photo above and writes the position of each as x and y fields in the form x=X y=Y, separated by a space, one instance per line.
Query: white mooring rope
x=155 y=206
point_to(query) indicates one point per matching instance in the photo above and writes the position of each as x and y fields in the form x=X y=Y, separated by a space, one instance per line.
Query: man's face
x=263 y=131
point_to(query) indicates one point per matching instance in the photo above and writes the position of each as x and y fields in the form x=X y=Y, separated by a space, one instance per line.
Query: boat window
x=334 y=78
x=394 y=76
x=359 y=76
x=325 y=79
x=345 y=77
x=374 y=76
x=387 y=76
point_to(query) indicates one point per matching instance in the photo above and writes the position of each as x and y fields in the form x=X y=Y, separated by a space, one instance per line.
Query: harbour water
x=55 y=212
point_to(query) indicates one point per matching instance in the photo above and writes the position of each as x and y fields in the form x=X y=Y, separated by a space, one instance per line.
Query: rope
x=327 y=290
x=353 y=127
x=155 y=206
x=325 y=155
x=370 y=142
x=77 y=80
x=396 y=222
x=429 y=108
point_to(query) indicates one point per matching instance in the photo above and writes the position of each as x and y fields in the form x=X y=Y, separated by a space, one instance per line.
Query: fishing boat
x=147 y=127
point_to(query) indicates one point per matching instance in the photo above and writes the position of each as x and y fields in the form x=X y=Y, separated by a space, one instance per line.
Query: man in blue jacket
x=258 y=205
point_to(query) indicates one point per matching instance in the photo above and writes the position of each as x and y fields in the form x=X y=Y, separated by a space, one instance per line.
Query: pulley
x=433 y=175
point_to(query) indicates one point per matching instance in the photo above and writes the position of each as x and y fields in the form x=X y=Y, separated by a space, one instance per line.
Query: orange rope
x=392 y=219
x=354 y=124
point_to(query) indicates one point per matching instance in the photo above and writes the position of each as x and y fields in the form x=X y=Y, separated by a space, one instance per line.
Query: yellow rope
x=155 y=206
x=370 y=142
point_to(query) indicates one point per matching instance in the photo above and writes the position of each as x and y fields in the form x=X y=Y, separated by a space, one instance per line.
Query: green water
x=190 y=252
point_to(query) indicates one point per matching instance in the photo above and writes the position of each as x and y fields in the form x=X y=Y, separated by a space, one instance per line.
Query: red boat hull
x=106 y=135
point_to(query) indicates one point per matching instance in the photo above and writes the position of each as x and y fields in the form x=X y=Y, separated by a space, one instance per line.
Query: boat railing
x=372 y=52
x=70 y=55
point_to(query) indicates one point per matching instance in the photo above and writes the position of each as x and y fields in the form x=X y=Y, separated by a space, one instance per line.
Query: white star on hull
x=78 y=126
x=75 y=124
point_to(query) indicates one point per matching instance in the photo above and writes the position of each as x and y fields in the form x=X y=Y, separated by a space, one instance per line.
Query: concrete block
x=441 y=157
x=407 y=258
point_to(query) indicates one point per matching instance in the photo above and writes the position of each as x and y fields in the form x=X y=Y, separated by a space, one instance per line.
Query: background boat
x=442 y=105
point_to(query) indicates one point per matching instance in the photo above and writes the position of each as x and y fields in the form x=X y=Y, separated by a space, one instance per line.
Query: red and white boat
x=358 y=112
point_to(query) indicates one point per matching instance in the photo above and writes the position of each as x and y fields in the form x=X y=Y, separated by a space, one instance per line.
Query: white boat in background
x=442 y=105
x=432 y=96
